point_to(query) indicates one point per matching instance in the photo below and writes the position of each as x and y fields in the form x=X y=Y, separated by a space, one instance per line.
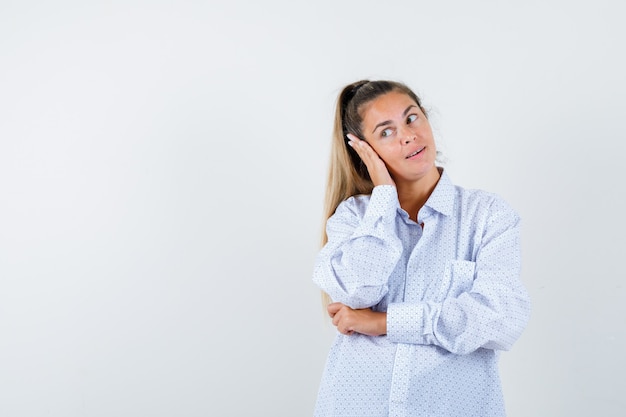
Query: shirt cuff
x=383 y=204
x=409 y=323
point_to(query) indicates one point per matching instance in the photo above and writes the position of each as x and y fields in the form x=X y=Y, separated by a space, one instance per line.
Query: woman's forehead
x=391 y=104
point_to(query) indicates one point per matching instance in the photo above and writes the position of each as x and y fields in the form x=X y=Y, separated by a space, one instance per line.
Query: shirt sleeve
x=362 y=250
x=491 y=314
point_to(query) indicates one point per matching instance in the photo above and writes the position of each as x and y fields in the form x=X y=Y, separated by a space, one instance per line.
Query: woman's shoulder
x=468 y=200
x=482 y=202
x=478 y=195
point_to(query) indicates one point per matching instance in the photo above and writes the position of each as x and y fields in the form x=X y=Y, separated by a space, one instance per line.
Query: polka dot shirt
x=451 y=289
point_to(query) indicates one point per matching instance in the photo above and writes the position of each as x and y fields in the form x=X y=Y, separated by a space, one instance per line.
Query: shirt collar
x=442 y=197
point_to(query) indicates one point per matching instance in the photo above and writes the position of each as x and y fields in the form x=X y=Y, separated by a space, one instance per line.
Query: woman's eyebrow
x=408 y=109
x=386 y=122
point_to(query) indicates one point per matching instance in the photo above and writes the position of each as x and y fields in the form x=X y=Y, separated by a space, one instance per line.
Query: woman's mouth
x=416 y=152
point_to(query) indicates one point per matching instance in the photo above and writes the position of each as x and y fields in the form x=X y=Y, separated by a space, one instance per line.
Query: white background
x=162 y=169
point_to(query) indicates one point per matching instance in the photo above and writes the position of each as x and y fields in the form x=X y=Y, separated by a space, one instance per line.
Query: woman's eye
x=385 y=133
x=411 y=118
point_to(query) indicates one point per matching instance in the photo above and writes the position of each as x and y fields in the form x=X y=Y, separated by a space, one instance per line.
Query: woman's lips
x=417 y=152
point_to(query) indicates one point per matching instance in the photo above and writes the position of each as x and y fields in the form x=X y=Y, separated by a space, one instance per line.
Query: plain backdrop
x=162 y=171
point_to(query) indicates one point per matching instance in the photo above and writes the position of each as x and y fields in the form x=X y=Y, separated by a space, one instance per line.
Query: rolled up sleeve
x=362 y=249
x=491 y=313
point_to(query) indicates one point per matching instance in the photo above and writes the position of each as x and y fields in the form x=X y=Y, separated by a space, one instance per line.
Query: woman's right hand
x=364 y=321
x=375 y=165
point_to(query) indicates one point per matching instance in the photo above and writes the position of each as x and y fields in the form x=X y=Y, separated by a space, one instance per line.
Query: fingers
x=336 y=312
x=352 y=138
x=340 y=314
x=375 y=165
x=345 y=329
x=362 y=148
x=365 y=152
x=363 y=321
x=333 y=308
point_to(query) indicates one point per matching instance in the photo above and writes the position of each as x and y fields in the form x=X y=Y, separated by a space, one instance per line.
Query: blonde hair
x=347 y=174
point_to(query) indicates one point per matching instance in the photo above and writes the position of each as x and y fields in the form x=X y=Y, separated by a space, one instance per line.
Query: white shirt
x=452 y=294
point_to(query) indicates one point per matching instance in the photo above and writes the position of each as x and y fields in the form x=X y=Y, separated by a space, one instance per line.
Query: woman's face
x=397 y=129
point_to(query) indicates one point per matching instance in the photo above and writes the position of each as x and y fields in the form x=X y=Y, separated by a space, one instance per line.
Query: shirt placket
x=401 y=375
x=400 y=381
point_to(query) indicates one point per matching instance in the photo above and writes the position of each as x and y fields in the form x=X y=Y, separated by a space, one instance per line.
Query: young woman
x=424 y=276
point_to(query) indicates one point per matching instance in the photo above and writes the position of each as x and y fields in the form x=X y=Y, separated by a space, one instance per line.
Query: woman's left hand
x=364 y=321
x=376 y=167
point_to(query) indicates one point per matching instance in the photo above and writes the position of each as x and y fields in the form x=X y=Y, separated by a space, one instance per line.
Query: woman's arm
x=491 y=314
x=362 y=249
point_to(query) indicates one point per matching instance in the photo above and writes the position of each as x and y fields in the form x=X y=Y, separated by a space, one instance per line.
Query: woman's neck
x=413 y=194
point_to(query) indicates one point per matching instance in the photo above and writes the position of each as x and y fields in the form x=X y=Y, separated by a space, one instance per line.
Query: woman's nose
x=408 y=136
